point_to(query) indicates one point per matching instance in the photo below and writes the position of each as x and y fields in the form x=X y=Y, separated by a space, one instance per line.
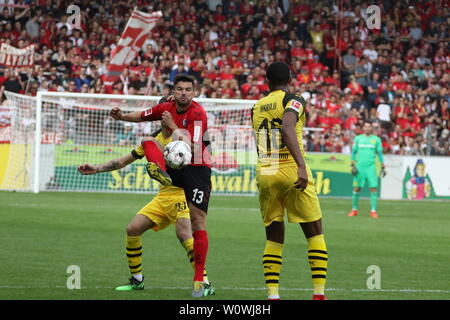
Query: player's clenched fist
x=167 y=120
x=116 y=113
x=87 y=169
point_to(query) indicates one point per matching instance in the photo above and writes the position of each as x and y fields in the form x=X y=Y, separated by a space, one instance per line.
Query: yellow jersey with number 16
x=267 y=120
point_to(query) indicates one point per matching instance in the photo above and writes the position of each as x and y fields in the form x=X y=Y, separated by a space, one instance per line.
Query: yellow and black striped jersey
x=267 y=120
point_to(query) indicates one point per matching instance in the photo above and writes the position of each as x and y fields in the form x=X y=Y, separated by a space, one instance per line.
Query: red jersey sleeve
x=154 y=113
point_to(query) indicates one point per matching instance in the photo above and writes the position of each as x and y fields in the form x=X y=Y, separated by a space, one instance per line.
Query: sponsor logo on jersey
x=366 y=145
x=295 y=105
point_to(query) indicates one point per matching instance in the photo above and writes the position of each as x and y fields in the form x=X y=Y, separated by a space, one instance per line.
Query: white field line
x=406 y=290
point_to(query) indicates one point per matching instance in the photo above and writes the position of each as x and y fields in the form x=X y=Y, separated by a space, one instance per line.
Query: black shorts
x=196 y=183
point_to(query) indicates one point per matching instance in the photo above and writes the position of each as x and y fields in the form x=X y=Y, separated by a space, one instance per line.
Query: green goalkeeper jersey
x=365 y=149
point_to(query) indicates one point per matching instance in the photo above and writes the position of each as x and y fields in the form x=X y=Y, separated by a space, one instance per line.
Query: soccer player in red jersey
x=186 y=119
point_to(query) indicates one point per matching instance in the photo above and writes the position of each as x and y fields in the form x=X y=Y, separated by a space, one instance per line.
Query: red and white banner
x=13 y=57
x=133 y=37
x=5 y=134
x=6 y=112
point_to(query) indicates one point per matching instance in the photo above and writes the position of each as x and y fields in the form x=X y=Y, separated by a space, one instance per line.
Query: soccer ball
x=177 y=154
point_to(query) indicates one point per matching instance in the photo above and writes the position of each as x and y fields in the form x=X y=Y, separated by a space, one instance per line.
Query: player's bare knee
x=183 y=229
x=373 y=189
x=275 y=232
x=183 y=235
x=312 y=229
x=357 y=189
x=134 y=230
x=131 y=230
x=198 y=220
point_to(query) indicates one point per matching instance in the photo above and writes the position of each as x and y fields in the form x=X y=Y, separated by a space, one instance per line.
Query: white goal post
x=53 y=133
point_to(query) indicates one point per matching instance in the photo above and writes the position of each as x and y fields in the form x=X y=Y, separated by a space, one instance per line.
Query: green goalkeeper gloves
x=383 y=172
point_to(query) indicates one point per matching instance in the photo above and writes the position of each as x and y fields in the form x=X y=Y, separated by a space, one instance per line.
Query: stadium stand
x=397 y=76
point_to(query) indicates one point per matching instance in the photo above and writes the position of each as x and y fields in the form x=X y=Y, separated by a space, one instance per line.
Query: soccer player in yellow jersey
x=167 y=207
x=285 y=181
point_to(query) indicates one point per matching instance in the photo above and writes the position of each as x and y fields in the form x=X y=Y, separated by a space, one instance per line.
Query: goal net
x=50 y=135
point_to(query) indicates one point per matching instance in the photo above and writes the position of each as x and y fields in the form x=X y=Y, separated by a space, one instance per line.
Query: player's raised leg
x=184 y=234
x=135 y=229
x=272 y=258
x=156 y=166
x=317 y=256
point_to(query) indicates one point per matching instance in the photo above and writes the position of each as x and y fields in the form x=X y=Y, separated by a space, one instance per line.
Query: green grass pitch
x=42 y=234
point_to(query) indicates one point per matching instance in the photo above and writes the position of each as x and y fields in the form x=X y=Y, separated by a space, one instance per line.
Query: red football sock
x=200 y=252
x=154 y=154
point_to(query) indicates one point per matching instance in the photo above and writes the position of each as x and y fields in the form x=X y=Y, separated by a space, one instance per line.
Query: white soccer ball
x=177 y=154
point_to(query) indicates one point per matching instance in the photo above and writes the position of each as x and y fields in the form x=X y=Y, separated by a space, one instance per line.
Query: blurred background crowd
x=348 y=70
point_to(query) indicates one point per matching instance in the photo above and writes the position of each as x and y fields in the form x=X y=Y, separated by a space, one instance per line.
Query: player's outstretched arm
x=290 y=139
x=112 y=165
x=117 y=114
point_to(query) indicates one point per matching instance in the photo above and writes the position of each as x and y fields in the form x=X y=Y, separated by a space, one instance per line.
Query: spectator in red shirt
x=323 y=120
x=246 y=8
x=352 y=119
x=218 y=15
x=253 y=93
x=226 y=73
x=354 y=87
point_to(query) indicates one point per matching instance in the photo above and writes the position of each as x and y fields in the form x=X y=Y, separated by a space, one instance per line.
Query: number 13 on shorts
x=198 y=196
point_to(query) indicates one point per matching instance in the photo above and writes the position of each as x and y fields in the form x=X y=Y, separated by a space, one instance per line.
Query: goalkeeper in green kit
x=365 y=149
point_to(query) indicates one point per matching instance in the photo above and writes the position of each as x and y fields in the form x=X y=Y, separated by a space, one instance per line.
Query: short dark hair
x=278 y=73
x=169 y=86
x=162 y=100
x=183 y=78
x=368 y=121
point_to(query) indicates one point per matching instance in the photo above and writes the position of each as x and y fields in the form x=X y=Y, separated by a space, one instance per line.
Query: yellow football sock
x=188 y=245
x=134 y=255
x=318 y=261
x=272 y=262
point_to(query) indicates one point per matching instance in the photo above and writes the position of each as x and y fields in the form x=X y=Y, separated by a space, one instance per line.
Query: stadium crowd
x=396 y=75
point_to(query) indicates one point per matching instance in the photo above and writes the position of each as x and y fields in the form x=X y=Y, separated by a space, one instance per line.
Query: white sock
x=138 y=277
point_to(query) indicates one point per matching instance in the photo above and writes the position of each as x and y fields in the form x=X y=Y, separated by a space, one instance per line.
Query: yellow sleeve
x=294 y=103
x=164 y=141
x=138 y=152
x=294 y=106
